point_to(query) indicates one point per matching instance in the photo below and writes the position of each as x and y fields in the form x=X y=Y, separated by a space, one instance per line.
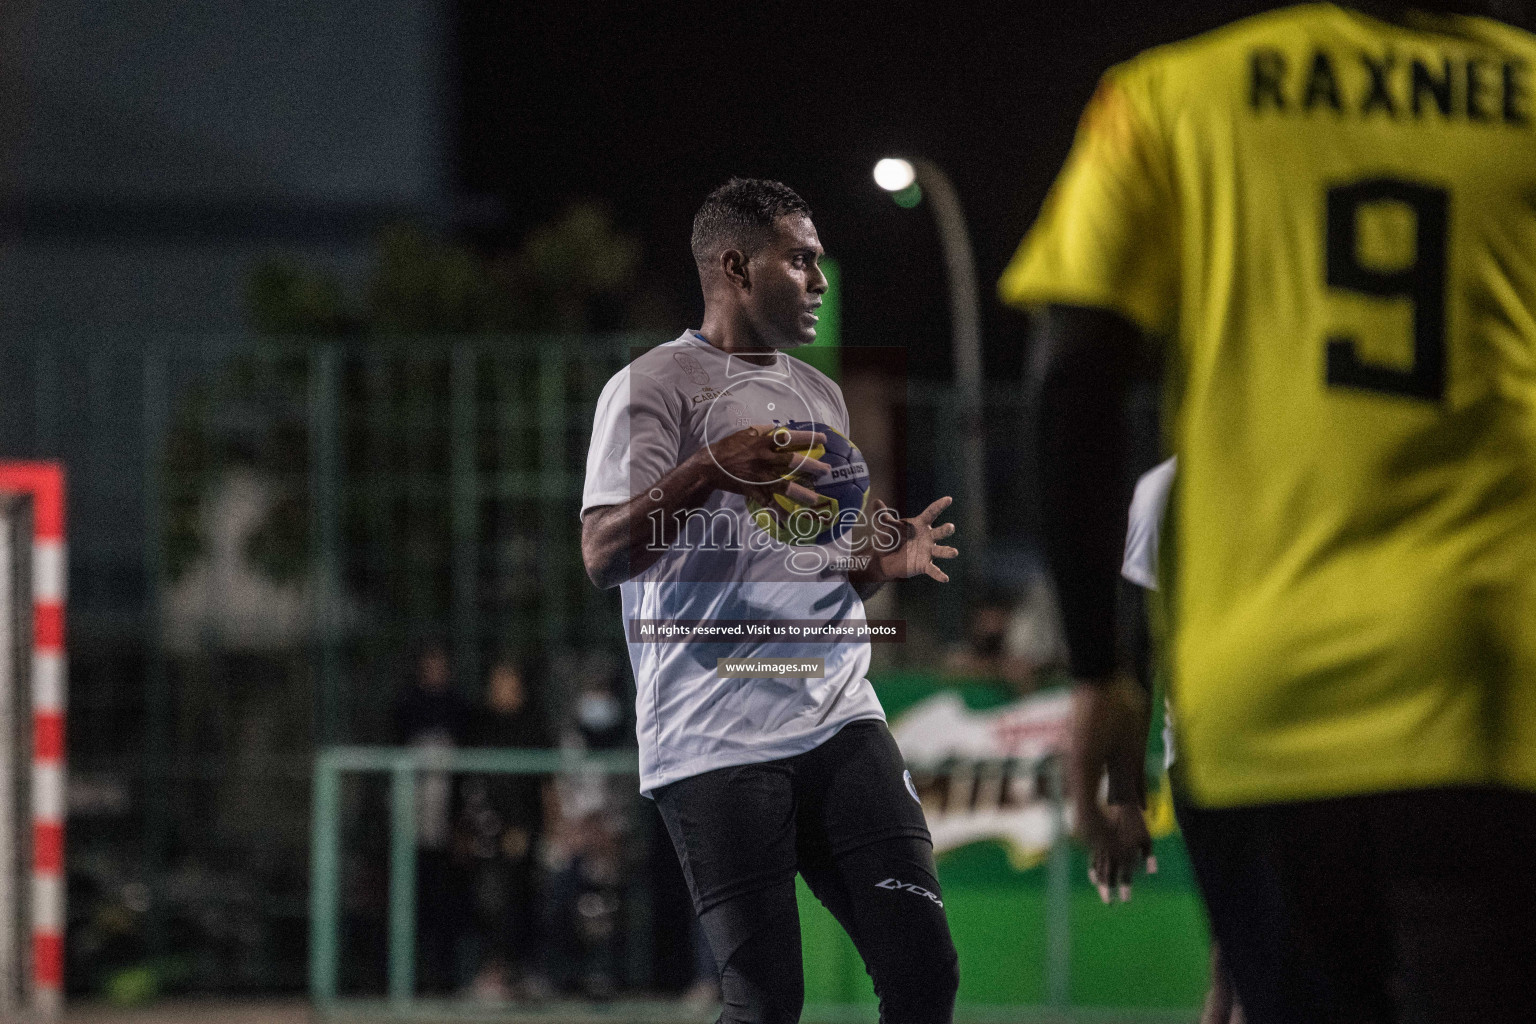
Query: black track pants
x=1393 y=908
x=843 y=816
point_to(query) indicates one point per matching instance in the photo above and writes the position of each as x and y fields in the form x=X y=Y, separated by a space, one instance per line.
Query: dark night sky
x=649 y=106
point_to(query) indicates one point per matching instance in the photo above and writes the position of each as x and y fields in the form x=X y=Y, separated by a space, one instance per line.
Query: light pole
x=908 y=181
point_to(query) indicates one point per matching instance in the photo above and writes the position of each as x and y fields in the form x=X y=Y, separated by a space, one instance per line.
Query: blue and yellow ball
x=844 y=493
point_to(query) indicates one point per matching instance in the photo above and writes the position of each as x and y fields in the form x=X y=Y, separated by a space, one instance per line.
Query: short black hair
x=740 y=215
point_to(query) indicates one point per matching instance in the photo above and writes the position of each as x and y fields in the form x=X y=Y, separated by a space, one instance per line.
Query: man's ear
x=733 y=264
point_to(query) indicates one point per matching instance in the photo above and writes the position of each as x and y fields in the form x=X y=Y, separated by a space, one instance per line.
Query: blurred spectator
x=1034 y=633
x=600 y=720
x=432 y=716
x=503 y=820
x=986 y=625
x=587 y=856
x=1009 y=639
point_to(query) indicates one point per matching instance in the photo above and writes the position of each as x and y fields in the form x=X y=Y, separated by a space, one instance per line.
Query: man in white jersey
x=1117 y=835
x=1140 y=566
x=758 y=778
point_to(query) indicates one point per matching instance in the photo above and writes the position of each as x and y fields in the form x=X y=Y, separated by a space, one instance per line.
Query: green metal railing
x=403 y=765
x=426 y=486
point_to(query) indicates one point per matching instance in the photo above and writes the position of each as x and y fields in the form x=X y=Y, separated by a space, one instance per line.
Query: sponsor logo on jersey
x=911 y=786
x=709 y=394
x=691 y=367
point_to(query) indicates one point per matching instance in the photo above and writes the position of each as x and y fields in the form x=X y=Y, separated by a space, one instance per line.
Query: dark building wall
x=151 y=153
x=151 y=150
x=287 y=100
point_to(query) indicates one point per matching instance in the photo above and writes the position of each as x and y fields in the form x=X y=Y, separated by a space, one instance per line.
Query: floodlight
x=894 y=174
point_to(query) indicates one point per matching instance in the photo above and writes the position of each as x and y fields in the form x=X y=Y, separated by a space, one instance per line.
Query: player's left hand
x=917 y=547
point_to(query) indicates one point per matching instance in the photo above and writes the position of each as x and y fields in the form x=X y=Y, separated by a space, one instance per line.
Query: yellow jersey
x=1331 y=220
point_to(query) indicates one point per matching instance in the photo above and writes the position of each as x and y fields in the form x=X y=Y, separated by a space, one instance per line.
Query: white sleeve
x=834 y=393
x=634 y=440
x=1146 y=524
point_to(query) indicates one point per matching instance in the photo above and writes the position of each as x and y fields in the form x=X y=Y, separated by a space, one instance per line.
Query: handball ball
x=843 y=493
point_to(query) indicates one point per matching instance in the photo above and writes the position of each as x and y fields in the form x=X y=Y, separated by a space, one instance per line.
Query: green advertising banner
x=976 y=749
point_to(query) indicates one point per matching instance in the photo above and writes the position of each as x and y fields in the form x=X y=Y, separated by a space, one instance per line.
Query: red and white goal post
x=32 y=691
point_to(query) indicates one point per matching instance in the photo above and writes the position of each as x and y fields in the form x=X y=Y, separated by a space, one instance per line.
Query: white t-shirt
x=1146 y=524
x=1148 y=504
x=653 y=415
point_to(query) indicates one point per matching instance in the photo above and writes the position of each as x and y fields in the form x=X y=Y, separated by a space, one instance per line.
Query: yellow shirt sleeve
x=1107 y=234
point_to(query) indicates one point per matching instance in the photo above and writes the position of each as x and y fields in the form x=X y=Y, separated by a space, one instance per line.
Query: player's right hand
x=1117 y=841
x=762 y=460
x=1108 y=731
